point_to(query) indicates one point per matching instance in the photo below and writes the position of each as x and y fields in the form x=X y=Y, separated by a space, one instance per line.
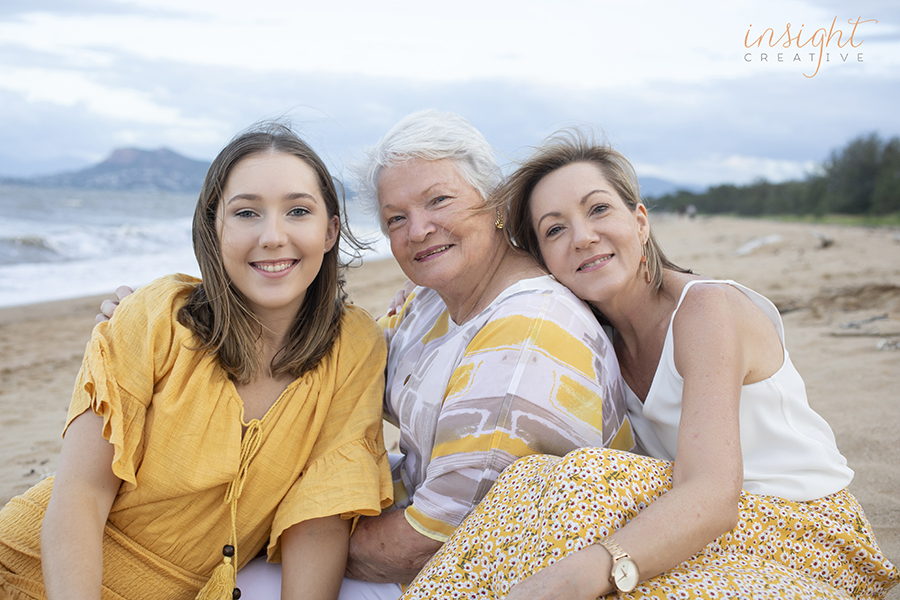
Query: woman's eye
x=598 y=208
x=393 y=220
x=299 y=211
x=244 y=213
x=439 y=199
x=553 y=230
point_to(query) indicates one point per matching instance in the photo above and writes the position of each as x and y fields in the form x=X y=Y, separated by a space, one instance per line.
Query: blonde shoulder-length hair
x=564 y=148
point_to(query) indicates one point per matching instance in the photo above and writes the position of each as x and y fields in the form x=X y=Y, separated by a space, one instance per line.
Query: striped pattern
x=532 y=374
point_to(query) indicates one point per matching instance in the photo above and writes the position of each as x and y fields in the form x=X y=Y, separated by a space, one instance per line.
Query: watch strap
x=617 y=554
x=614 y=549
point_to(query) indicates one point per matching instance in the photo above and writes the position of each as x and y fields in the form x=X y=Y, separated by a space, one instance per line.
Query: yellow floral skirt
x=544 y=508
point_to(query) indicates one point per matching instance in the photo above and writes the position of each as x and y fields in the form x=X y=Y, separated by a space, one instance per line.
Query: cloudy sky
x=672 y=83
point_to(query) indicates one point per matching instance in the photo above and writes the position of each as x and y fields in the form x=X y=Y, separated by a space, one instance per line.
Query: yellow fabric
x=544 y=508
x=534 y=373
x=581 y=405
x=20 y=557
x=175 y=421
x=223 y=580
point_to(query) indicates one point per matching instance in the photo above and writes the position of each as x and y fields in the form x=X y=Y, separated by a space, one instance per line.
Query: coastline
x=840 y=304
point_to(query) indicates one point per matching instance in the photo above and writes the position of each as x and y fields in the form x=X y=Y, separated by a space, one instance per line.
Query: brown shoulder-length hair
x=217 y=312
x=565 y=148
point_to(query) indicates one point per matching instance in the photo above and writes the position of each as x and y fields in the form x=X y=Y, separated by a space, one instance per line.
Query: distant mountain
x=132 y=169
x=164 y=170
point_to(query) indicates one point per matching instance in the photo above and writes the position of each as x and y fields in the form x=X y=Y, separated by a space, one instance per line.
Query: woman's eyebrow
x=591 y=193
x=256 y=197
x=581 y=202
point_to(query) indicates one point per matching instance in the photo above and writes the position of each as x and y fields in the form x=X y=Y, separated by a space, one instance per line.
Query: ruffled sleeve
x=122 y=363
x=348 y=472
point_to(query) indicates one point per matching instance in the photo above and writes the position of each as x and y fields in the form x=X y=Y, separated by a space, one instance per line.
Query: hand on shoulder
x=399 y=299
x=108 y=306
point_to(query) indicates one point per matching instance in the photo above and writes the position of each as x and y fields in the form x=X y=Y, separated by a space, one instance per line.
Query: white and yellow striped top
x=534 y=373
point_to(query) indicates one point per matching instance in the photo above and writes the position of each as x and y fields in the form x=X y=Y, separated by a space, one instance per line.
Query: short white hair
x=428 y=135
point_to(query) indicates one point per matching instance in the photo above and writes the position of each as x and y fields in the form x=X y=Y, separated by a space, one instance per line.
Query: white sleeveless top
x=788 y=449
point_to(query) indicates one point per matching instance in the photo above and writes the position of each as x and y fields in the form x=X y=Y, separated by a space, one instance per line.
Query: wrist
x=624 y=574
x=596 y=563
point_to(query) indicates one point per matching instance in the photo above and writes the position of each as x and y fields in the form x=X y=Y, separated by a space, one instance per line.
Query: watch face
x=625 y=574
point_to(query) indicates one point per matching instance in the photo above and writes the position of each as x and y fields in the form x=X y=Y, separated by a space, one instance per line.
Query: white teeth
x=435 y=251
x=595 y=262
x=273 y=268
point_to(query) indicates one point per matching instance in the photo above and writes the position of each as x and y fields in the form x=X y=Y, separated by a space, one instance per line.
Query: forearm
x=314 y=556
x=72 y=547
x=679 y=524
x=664 y=534
x=386 y=549
x=72 y=531
x=703 y=502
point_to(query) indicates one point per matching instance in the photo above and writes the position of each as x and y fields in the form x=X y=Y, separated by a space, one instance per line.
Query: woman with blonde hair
x=740 y=491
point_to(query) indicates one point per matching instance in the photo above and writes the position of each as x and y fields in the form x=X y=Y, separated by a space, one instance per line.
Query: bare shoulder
x=711 y=299
x=707 y=318
x=721 y=318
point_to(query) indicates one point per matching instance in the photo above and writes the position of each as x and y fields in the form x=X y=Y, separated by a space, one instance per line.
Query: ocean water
x=67 y=243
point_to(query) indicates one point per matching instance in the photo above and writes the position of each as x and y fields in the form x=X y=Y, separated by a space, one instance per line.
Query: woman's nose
x=583 y=235
x=420 y=225
x=273 y=233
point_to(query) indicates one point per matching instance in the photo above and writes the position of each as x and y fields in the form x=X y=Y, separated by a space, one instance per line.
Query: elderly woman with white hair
x=489 y=358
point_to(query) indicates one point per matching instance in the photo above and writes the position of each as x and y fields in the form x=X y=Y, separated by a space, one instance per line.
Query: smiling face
x=589 y=239
x=274 y=230
x=438 y=232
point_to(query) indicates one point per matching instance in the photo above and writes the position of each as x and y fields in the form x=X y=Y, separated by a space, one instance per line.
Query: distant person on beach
x=739 y=490
x=213 y=420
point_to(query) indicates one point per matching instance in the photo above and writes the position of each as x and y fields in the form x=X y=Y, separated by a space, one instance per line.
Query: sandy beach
x=838 y=289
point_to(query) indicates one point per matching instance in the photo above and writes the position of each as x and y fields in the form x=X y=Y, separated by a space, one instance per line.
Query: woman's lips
x=274 y=267
x=425 y=254
x=594 y=263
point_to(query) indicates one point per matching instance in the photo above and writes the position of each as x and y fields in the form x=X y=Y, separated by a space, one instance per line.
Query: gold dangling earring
x=498 y=223
x=644 y=264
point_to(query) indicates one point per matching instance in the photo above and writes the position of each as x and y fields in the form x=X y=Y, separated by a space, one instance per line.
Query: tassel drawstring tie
x=222 y=583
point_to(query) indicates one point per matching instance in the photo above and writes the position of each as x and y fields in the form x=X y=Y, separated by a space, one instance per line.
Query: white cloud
x=737 y=169
x=67 y=88
x=577 y=44
x=665 y=78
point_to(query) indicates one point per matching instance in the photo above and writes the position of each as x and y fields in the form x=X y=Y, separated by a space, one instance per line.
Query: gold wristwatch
x=624 y=574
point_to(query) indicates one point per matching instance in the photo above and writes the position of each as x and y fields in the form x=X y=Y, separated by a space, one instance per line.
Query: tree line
x=863 y=178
